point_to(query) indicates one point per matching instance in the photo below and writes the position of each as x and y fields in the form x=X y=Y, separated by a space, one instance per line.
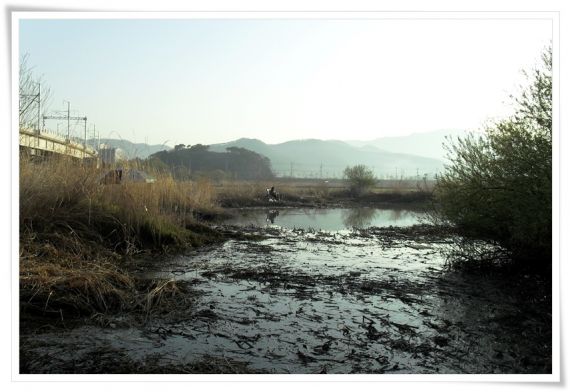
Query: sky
x=210 y=81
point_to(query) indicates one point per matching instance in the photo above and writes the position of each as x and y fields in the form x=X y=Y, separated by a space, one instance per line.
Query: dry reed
x=74 y=231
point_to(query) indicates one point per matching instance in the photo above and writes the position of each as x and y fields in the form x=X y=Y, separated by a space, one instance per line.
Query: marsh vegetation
x=355 y=276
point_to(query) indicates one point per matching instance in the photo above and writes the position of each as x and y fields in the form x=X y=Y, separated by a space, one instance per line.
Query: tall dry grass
x=240 y=193
x=60 y=196
x=74 y=232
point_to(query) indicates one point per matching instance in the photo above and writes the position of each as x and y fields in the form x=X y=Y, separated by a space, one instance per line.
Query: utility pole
x=67 y=120
x=39 y=115
x=94 y=137
x=39 y=106
x=84 y=139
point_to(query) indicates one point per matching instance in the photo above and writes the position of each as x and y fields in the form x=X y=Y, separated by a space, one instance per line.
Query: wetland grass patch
x=76 y=235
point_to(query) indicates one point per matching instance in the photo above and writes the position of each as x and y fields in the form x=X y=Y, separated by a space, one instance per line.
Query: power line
x=68 y=118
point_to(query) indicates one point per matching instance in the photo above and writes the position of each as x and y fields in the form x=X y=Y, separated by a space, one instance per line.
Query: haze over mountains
x=129 y=149
x=328 y=158
x=389 y=157
x=428 y=144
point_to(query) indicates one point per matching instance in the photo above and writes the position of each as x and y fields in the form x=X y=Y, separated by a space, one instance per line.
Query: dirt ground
x=378 y=300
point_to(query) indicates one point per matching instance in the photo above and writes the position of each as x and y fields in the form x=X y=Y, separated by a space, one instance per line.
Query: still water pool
x=329 y=219
x=278 y=300
x=282 y=298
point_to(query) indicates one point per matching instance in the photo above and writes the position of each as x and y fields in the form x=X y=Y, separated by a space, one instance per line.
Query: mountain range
x=329 y=158
x=389 y=157
x=428 y=144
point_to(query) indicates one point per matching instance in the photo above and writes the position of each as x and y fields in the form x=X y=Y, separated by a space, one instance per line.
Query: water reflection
x=271 y=215
x=358 y=217
x=396 y=214
x=331 y=219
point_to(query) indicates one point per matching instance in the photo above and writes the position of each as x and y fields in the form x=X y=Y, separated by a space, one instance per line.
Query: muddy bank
x=339 y=199
x=379 y=300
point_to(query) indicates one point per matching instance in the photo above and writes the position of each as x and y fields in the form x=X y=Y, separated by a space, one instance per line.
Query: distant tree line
x=187 y=162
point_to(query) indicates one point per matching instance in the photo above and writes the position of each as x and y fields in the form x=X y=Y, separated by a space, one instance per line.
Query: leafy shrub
x=498 y=186
x=360 y=178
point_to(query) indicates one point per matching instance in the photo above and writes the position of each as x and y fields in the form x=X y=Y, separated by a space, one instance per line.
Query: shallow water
x=330 y=219
x=347 y=302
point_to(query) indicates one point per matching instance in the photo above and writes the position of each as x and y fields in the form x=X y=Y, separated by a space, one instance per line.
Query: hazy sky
x=209 y=81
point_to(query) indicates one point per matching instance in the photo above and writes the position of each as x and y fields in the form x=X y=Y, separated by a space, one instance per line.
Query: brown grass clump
x=68 y=288
x=73 y=287
x=240 y=193
x=164 y=297
x=74 y=232
x=62 y=198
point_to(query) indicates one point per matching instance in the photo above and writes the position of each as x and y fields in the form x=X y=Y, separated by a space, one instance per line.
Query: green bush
x=360 y=178
x=498 y=186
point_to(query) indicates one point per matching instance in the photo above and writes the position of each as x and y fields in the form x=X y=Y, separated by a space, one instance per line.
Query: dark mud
x=380 y=300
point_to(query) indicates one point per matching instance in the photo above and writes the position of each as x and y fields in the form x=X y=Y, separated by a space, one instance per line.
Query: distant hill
x=316 y=158
x=428 y=144
x=130 y=149
x=389 y=156
x=238 y=163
